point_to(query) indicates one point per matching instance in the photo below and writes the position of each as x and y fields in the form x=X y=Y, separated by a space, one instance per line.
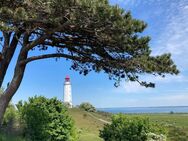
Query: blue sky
x=167 y=26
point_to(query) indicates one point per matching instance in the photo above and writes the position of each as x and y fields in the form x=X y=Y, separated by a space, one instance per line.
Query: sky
x=168 y=28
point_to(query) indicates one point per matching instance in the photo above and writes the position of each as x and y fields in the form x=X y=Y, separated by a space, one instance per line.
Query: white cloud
x=134 y=87
x=174 y=38
x=186 y=7
x=179 y=99
x=131 y=88
x=168 y=79
x=125 y=3
x=169 y=100
x=148 y=100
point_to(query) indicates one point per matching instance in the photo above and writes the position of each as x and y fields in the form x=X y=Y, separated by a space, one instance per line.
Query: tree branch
x=33 y=58
x=36 y=42
x=7 y=55
x=6 y=41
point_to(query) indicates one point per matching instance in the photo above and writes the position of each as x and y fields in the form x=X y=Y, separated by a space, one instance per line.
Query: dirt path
x=99 y=119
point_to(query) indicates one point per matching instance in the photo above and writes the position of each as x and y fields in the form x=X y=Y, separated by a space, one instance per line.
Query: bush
x=9 y=116
x=87 y=107
x=125 y=128
x=46 y=120
x=10 y=122
x=156 y=137
x=5 y=137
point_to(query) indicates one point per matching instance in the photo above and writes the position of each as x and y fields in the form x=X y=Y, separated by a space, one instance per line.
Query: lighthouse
x=67 y=92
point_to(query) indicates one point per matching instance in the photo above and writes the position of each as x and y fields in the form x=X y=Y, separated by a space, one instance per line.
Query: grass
x=177 y=124
x=4 y=137
x=177 y=120
x=88 y=126
x=89 y=137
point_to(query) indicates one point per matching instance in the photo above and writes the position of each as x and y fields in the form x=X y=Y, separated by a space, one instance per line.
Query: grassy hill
x=89 y=124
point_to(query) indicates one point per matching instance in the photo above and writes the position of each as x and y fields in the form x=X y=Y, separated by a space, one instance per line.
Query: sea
x=139 y=110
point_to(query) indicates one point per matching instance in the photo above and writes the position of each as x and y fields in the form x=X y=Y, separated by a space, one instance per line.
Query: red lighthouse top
x=67 y=78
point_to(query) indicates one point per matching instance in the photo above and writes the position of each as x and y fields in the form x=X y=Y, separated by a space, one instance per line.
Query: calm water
x=175 y=109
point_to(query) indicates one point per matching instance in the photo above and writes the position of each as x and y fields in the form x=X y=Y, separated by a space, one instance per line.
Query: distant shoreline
x=159 y=109
x=141 y=107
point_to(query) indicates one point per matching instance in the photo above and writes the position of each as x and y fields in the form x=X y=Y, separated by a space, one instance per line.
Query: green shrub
x=5 y=137
x=46 y=120
x=10 y=115
x=125 y=128
x=87 y=107
x=156 y=137
x=11 y=124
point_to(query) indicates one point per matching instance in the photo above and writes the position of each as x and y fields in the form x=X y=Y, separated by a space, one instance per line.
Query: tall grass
x=4 y=137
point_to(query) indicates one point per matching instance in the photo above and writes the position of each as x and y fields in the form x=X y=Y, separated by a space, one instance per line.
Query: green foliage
x=10 y=115
x=125 y=128
x=87 y=107
x=158 y=128
x=177 y=134
x=11 y=121
x=66 y=104
x=46 y=120
x=156 y=137
x=1 y=91
x=88 y=126
x=4 y=137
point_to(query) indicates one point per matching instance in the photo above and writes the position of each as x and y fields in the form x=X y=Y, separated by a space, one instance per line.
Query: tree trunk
x=8 y=52
x=11 y=90
x=18 y=72
x=4 y=101
x=3 y=67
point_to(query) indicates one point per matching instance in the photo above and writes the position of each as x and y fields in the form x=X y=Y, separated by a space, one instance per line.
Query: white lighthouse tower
x=67 y=92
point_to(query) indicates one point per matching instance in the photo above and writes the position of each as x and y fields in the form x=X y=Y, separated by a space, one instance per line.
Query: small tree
x=125 y=128
x=46 y=120
x=87 y=107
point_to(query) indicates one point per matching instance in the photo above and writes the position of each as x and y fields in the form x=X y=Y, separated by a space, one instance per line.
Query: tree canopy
x=86 y=106
x=91 y=33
